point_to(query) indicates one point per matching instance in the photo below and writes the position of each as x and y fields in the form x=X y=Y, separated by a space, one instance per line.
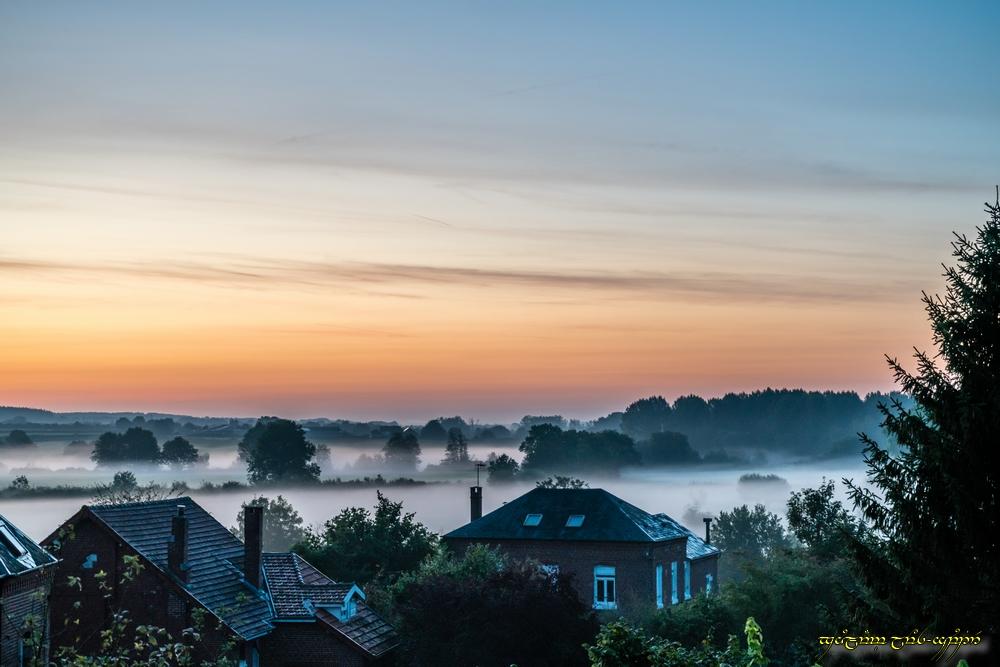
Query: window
x=11 y=542
x=673 y=582
x=708 y=584
x=532 y=519
x=659 y=586
x=604 y=588
x=687 y=580
x=575 y=520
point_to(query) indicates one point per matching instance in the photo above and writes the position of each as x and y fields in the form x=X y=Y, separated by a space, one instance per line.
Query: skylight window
x=575 y=520
x=532 y=519
x=11 y=542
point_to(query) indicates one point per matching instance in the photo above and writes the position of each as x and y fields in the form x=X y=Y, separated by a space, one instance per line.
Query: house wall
x=20 y=597
x=701 y=567
x=150 y=599
x=634 y=563
x=307 y=644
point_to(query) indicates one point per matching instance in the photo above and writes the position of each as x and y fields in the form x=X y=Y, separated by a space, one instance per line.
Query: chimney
x=476 y=502
x=177 y=548
x=253 y=543
x=708 y=530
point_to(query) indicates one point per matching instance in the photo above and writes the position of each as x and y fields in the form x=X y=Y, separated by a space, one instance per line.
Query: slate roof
x=215 y=558
x=295 y=586
x=12 y=562
x=696 y=547
x=607 y=518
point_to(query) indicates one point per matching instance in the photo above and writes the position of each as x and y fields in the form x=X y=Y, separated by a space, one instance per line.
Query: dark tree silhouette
x=456 y=451
x=934 y=505
x=667 y=447
x=136 y=445
x=549 y=448
x=502 y=469
x=283 y=525
x=179 y=452
x=402 y=449
x=277 y=450
x=645 y=417
x=18 y=438
x=433 y=431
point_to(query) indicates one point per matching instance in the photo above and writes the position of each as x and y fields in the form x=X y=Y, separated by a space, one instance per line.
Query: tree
x=747 y=536
x=934 y=504
x=821 y=523
x=502 y=469
x=179 y=452
x=402 y=449
x=457 y=449
x=484 y=609
x=136 y=445
x=620 y=643
x=547 y=448
x=358 y=545
x=125 y=488
x=646 y=417
x=560 y=482
x=433 y=431
x=283 y=525
x=275 y=450
x=668 y=447
x=18 y=438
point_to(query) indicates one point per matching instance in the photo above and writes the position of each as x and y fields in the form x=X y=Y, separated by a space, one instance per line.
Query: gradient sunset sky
x=489 y=209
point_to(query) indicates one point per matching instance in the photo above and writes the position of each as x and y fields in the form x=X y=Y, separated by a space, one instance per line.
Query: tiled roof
x=299 y=591
x=292 y=581
x=607 y=518
x=366 y=629
x=14 y=561
x=215 y=558
x=696 y=547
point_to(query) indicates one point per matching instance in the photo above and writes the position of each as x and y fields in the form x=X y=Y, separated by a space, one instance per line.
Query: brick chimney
x=253 y=543
x=177 y=548
x=476 y=502
x=708 y=530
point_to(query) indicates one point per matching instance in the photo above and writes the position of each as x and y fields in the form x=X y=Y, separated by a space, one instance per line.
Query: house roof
x=300 y=591
x=18 y=552
x=215 y=558
x=606 y=518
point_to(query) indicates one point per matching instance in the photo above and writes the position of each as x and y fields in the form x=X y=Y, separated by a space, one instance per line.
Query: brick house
x=26 y=572
x=621 y=557
x=275 y=608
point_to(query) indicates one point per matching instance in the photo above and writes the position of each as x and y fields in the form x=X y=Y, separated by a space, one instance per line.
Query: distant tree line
x=138 y=445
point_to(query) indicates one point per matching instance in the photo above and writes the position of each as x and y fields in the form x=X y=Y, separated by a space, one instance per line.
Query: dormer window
x=575 y=520
x=12 y=543
x=532 y=520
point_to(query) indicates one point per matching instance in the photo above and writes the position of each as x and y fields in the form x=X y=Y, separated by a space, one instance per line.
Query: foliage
x=502 y=469
x=560 y=482
x=433 y=431
x=277 y=450
x=359 y=545
x=20 y=483
x=483 y=609
x=136 y=445
x=456 y=450
x=124 y=488
x=620 y=643
x=822 y=523
x=179 y=452
x=667 y=447
x=283 y=525
x=645 y=417
x=757 y=478
x=934 y=506
x=748 y=535
x=548 y=447
x=402 y=449
x=18 y=438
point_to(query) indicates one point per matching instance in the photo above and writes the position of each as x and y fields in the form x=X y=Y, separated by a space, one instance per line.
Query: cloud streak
x=373 y=276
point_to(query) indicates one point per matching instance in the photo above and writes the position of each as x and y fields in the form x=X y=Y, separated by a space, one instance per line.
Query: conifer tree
x=933 y=559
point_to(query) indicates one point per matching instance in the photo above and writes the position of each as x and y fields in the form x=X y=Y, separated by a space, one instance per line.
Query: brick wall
x=307 y=644
x=634 y=563
x=147 y=598
x=20 y=597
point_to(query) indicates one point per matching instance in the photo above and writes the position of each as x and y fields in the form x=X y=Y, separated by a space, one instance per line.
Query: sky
x=405 y=210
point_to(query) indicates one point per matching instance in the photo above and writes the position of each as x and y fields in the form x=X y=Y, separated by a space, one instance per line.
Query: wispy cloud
x=291 y=274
